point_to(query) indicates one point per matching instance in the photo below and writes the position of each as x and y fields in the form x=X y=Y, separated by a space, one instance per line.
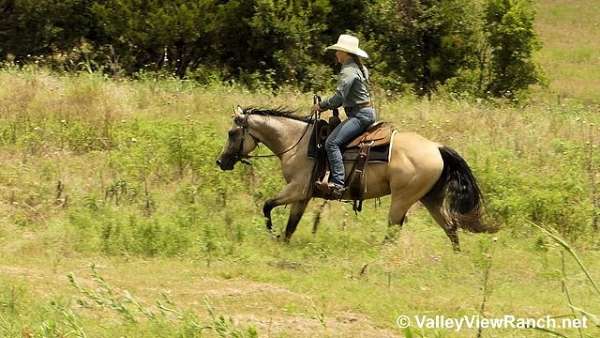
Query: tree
x=286 y=35
x=155 y=35
x=483 y=48
x=512 y=39
x=422 y=42
x=42 y=27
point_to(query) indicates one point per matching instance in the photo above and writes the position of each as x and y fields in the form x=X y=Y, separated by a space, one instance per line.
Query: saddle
x=371 y=146
x=378 y=134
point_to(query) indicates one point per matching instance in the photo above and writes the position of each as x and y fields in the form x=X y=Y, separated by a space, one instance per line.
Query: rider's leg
x=341 y=135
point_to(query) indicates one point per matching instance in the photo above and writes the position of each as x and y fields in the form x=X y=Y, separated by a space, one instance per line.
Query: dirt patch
x=345 y=324
x=272 y=309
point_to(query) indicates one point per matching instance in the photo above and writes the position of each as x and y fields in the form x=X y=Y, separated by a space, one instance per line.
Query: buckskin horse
x=417 y=170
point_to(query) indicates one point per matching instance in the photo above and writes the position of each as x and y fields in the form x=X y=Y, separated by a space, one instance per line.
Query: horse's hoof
x=283 y=239
x=389 y=239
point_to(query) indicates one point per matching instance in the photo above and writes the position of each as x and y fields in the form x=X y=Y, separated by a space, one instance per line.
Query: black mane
x=279 y=112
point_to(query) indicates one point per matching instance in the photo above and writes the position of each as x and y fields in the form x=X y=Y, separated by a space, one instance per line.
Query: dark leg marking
x=268 y=206
x=296 y=213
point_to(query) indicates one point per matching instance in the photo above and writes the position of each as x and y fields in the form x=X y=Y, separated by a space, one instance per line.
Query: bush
x=422 y=42
x=268 y=44
x=33 y=28
x=512 y=41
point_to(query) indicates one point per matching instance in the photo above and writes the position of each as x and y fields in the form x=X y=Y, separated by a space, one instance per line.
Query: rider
x=352 y=92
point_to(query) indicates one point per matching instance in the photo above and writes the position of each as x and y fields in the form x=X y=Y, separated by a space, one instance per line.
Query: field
x=116 y=222
x=570 y=54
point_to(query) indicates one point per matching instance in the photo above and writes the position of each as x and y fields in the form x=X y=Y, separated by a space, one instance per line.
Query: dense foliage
x=470 y=46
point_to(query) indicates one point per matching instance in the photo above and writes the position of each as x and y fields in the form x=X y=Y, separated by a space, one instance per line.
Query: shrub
x=418 y=44
x=422 y=42
x=512 y=41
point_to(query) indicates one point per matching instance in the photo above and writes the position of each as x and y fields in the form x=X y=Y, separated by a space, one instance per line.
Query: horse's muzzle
x=225 y=165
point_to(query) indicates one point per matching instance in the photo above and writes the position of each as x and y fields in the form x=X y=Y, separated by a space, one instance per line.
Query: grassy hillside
x=121 y=175
x=570 y=56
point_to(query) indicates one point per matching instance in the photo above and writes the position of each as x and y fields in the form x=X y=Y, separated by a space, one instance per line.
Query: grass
x=120 y=175
x=569 y=32
x=140 y=197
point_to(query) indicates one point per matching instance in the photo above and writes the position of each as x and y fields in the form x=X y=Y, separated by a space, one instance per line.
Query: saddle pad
x=376 y=154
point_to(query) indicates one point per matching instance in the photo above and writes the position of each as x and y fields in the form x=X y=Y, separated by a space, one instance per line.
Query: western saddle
x=370 y=146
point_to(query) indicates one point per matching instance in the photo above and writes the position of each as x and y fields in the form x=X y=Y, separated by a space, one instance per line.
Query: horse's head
x=240 y=142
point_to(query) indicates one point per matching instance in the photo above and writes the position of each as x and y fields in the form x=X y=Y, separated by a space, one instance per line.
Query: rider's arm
x=347 y=77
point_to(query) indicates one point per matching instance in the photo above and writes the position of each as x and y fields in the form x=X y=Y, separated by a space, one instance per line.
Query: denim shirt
x=351 y=88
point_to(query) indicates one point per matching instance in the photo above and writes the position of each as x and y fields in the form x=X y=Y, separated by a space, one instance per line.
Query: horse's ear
x=239 y=117
x=237 y=110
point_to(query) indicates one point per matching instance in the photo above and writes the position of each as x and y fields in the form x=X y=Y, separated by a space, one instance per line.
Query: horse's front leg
x=296 y=213
x=289 y=194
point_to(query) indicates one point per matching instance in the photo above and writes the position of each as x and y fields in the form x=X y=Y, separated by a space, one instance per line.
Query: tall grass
x=93 y=167
x=149 y=151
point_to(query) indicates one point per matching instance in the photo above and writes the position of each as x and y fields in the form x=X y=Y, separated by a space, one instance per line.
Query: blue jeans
x=358 y=121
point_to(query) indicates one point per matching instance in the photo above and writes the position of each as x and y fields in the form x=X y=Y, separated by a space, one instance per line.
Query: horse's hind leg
x=452 y=233
x=397 y=215
x=317 y=218
x=435 y=209
x=296 y=213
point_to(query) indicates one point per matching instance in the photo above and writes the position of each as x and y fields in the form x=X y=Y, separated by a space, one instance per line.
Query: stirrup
x=336 y=191
x=331 y=190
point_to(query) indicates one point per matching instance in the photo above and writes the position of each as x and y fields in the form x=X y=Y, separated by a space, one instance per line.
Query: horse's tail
x=458 y=193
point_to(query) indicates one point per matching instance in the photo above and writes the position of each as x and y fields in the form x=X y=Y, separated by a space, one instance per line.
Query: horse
x=417 y=170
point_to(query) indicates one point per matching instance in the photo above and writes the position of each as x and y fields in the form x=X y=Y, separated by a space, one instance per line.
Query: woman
x=352 y=92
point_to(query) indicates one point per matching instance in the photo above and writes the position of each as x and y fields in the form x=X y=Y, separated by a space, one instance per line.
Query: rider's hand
x=315 y=108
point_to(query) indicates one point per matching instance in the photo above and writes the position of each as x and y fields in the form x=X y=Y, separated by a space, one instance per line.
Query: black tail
x=459 y=193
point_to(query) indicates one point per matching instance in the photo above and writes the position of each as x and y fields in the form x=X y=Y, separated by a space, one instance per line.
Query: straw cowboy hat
x=348 y=43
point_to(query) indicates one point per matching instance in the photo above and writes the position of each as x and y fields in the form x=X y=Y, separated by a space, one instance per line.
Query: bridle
x=239 y=156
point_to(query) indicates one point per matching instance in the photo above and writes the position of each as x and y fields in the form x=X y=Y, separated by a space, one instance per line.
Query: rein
x=245 y=130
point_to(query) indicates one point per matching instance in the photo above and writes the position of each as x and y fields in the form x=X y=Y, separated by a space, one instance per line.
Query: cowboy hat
x=349 y=44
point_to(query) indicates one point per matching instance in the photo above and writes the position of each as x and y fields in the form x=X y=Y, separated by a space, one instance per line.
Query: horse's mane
x=279 y=112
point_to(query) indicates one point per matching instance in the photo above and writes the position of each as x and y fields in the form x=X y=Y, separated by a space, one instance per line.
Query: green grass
x=570 y=54
x=140 y=197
